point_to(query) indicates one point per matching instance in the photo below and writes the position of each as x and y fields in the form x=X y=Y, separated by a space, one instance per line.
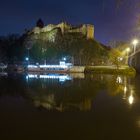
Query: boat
x=61 y=68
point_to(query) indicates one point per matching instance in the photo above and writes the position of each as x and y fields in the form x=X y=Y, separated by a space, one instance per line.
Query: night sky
x=111 y=22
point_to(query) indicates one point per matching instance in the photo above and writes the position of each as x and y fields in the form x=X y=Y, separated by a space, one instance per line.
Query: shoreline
x=122 y=70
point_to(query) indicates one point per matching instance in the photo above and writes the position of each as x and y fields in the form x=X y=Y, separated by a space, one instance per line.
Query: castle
x=86 y=29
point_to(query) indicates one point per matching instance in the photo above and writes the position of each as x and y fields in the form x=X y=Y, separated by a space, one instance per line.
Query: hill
x=52 y=46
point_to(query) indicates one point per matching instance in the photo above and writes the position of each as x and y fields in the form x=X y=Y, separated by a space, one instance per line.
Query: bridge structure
x=134 y=60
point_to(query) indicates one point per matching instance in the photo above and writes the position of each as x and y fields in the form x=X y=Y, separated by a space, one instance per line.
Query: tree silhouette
x=40 y=23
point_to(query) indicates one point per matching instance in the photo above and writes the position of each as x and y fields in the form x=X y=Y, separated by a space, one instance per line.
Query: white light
x=120 y=58
x=27 y=59
x=125 y=89
x=54 y=66
x=27 y=77
x=62 y=67
x=131 y=99
x=32 y=76
x=62 y=63
x=48 y=66
x=61 y=78
x=64 y=59
x=119 y=80
x=135 y=42
x=128 y=49
x=32 y=66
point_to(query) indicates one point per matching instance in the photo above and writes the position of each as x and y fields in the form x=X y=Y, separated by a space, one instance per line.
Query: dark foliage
x=40 y=23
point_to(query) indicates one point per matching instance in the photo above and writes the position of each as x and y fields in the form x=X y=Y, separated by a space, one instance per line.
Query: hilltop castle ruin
x=86 y=29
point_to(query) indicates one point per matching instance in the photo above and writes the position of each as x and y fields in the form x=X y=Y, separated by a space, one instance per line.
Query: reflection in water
x=48 y=102
x=3 y=74
x=125 y=91
x=60 y=77
x=77 y=92
x=128 y=92
x=69 y=92
x=119 y=80
x=91 y=106
x=49 y=93
x=131 y=99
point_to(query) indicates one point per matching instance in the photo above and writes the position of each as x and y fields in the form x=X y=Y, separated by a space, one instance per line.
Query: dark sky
x=111 y=23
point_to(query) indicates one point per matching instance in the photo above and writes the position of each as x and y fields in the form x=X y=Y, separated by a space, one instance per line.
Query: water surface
x=71 y=107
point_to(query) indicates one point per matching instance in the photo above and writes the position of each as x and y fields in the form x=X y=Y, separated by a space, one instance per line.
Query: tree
x=11 y=48
x=40 y=23
x=115 y=57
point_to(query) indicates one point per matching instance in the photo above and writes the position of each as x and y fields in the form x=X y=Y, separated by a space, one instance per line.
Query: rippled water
x=75 y=106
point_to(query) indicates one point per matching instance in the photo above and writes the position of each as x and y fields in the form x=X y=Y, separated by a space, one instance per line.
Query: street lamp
x=135 y=42
x=27 y=58
x=64 y=59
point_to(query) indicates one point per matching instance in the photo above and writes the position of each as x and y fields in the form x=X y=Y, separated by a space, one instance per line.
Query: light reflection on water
x=73 y=91
x=80 y=90
x=61 y=78
x=89 y=105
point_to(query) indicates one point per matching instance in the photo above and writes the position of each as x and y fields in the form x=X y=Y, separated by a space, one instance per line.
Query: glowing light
x=64 y=59
x=125 y=89
x=119 y=80
x=32 y=66
x=62 y=63
x=128 y=50
x=27 y=77
x=131 y=99
x=32 y=76
x=120 y=58
x=135 y=42
x=49 y=66
x=27 y=58
x=62 y=67
x=61 y=78
x=54 y=66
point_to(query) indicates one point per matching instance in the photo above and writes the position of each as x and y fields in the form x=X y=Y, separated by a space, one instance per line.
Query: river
x=76 y=106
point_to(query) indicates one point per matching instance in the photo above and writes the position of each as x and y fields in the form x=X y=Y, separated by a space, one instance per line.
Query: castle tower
x=90 y=31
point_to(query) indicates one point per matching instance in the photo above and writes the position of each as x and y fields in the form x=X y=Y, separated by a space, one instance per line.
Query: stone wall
x=86 y=30
x=49 y=35
x=77 y=69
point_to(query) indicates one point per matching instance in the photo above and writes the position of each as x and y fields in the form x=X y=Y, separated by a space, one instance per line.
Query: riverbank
x=122 y=70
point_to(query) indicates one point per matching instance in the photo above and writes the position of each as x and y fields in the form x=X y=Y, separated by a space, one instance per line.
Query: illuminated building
x=86 y=29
